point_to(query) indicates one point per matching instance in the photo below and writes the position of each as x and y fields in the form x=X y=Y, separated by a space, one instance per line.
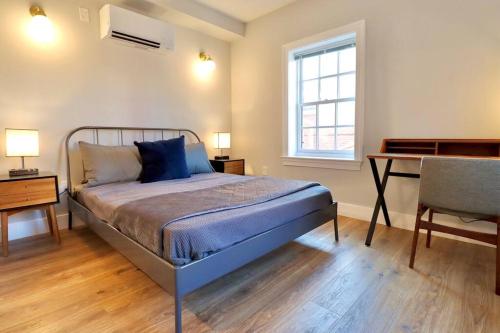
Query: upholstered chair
x=463 y=187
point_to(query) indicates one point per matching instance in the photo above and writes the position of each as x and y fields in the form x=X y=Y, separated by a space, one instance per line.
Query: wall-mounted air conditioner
x=135 y=29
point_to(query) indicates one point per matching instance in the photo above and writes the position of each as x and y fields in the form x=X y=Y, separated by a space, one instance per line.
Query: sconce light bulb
x=210 y=65
x=40 y=28
x=205 y=66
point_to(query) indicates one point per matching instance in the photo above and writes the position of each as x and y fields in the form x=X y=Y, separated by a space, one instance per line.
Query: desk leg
x=380 y=199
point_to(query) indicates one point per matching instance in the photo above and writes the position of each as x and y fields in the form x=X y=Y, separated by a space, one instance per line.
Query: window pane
x=345 y=113
x=329 y=88
x=347 y=60
x=326 y=113
x=347 y=86
x=329 y=63
x=309 y=138
x=345 y=138
x=309 y=116
x=326 y=139
x=310 y=67
x=310 y=91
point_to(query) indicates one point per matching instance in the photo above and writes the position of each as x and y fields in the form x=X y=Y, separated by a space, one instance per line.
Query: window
x=324 y=98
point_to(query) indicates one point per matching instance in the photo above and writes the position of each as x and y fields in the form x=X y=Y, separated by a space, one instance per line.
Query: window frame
x=292 y=126
x=339 y=46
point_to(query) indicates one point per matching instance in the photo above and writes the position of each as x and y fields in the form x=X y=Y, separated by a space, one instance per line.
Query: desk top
x=416 y=149
x=389 y=156
x=417 y=157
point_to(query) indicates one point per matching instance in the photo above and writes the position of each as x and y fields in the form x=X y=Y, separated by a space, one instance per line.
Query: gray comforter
x=145 y=219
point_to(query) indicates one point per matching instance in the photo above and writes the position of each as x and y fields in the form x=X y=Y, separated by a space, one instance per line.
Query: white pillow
x=109 y=164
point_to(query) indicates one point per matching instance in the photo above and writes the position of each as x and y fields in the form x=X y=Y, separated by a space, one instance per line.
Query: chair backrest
x=467 y=185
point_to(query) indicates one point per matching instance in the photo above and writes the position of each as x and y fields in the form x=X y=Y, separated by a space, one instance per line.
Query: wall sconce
x=40 y=28
x=205 y=65
x=207 y=62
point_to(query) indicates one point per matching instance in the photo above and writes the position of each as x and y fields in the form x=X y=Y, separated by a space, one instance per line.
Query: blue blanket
x=145 y=219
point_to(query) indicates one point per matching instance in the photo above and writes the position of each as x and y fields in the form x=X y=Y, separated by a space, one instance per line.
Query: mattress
x=196 y=237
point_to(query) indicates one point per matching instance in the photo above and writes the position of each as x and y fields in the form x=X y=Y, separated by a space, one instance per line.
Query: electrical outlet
x=84 y=14
x=264 y=170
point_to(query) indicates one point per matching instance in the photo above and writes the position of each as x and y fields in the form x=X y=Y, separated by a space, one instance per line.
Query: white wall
x=432 y=70
x=82 y=80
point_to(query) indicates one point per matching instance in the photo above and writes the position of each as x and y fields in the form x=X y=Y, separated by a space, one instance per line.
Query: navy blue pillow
x=163 y=160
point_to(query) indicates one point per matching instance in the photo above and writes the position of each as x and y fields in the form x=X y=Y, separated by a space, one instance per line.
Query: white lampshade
x=222 y=140
x=21 y=142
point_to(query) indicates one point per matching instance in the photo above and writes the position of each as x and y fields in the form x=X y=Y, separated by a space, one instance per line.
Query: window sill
x=321 y=162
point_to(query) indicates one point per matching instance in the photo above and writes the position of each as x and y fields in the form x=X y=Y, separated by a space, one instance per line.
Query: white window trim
x=289 y=155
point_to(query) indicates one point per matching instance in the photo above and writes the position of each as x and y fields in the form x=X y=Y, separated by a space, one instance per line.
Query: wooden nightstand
x=234 y=166
x=21 y=193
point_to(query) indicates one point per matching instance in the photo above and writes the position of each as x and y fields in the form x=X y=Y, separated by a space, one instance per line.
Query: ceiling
x=222 y=19
x=245 y=10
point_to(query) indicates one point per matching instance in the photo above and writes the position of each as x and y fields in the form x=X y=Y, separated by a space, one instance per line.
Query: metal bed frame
x=181 y=280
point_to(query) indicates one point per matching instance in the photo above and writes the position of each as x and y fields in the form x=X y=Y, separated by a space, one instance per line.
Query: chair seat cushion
x=476 y=216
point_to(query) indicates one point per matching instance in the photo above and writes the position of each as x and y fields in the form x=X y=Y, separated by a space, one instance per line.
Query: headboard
x=113 y=136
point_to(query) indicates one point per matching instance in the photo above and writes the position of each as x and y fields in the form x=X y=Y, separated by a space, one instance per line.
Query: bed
x=202 y=243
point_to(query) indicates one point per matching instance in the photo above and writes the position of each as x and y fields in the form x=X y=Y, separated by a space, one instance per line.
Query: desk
x=415 y=150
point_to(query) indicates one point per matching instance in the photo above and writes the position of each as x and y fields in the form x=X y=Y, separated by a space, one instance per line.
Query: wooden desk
x=415 y=150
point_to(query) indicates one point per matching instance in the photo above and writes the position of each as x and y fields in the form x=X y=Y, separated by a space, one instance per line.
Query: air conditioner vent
x=136 y=40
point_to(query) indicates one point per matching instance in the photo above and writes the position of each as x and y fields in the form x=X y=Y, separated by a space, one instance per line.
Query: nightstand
x=234 y=166
x=22 y=193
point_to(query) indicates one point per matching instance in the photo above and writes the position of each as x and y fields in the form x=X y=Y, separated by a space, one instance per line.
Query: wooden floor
x=311 y=285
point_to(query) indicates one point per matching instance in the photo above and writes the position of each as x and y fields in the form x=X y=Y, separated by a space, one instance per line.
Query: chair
x=463 y=187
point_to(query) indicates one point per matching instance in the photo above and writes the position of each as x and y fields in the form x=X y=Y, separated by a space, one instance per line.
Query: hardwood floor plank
x=314 y=276
x=310 y=285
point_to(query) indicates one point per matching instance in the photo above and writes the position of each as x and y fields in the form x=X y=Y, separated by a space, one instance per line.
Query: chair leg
x=415 y=239
x=429 y=232
x=498 y=259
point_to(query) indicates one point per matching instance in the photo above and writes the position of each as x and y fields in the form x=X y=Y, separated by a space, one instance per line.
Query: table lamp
x=222 y=140
x=21 y=143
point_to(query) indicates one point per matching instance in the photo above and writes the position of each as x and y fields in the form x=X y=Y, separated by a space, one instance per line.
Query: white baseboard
x=407 y=221
x=21 y=228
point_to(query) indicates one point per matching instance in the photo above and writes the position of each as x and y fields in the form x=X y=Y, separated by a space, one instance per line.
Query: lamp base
x=22 y=172
x=221 y=157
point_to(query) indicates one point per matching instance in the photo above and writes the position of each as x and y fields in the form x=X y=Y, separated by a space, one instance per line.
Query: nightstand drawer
x=236 y=167
x=21 y=193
